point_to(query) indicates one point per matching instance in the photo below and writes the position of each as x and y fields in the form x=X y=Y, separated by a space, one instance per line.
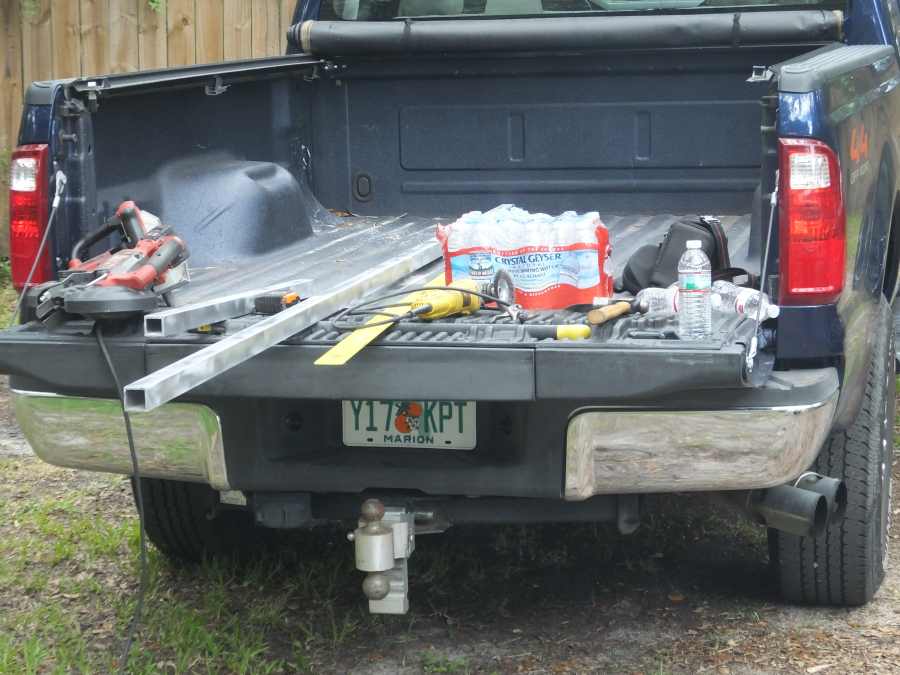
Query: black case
x=658 y=265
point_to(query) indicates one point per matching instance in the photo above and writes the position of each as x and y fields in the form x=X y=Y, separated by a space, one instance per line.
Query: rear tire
x=186 y=522
x=845 y=565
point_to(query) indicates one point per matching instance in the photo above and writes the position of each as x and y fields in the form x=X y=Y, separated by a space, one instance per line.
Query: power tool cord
x=139 y=498
x=370 y=308
x=135 y=466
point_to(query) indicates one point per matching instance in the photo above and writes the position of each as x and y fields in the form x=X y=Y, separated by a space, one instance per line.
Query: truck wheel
x=185 y=522
x=845 y=564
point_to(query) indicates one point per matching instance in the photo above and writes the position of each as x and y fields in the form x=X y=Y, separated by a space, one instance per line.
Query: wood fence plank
x=10 y=78
x=65 y=24
x=10 y=102
x=287 y=18
x=273 y=27
x=151 y=37
x=210 y=31
x=180 y=25
x=123 y=35
x=95 y=37
x=37 y=60
x=238 y=42
x=260 y=18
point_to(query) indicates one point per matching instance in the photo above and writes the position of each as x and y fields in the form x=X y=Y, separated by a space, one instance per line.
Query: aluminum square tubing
x=169 y=382
x=177 y=320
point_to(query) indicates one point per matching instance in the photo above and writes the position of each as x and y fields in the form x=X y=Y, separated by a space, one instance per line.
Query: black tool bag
x=657 y=265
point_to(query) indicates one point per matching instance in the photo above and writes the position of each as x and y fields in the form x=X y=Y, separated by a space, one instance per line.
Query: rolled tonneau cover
x=578 y=33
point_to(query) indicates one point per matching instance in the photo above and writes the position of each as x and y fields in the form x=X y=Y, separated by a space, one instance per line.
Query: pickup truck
x=387 y=117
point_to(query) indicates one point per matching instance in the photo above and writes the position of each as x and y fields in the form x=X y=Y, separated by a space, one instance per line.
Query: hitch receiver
x=384 y=541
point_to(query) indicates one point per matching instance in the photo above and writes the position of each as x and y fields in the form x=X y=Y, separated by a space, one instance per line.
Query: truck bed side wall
x=849 y=99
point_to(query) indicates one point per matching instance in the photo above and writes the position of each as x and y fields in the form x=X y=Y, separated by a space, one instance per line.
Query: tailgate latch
x=761 y=74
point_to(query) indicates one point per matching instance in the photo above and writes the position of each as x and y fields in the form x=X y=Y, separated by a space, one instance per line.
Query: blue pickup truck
x=386 y=117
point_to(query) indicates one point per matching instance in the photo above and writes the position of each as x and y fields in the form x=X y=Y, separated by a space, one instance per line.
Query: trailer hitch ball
x=373 y=540
x=383 y=542
x=376 y=586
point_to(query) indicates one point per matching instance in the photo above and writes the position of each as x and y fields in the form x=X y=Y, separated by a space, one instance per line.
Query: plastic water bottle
x=694 y=281
x=732 y=299
x=659 y=299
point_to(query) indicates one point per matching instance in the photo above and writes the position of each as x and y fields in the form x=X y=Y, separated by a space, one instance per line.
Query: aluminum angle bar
x=177 y=320
x=179 y=377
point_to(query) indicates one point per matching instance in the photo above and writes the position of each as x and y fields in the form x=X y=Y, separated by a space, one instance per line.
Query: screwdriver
x=573 y=331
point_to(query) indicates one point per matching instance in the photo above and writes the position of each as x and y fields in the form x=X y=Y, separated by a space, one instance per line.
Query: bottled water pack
x=554 y=261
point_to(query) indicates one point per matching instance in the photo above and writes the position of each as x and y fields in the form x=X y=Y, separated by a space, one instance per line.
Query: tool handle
x=132 y=224
x=574 y=331
x=84 y=244
x=600 y=316
x=165 y=255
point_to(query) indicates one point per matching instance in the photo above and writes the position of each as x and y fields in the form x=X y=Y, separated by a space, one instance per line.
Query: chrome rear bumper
x=620 y=451
x=180 y=441
x=608 y=450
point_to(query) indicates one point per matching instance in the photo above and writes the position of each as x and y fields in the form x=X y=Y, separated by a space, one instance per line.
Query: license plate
x=448 y=425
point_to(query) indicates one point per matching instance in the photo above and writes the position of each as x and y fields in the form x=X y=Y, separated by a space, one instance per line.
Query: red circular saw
x=128 y=279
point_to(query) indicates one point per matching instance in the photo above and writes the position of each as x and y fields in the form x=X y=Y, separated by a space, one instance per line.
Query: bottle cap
x=695 y=243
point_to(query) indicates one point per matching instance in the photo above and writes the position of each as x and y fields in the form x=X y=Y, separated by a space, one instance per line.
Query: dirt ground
x=688 y=593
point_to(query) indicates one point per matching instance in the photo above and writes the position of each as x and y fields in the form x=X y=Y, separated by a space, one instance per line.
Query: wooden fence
x=47 y=39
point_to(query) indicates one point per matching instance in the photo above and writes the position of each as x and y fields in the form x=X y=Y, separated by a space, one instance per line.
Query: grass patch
x=7 y=295
x=70 y=553
x=438 y=663
x=549 y=596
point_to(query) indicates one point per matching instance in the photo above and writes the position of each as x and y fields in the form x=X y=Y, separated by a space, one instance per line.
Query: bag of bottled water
x=732 y=299
x=694 y=281
x=554 y=261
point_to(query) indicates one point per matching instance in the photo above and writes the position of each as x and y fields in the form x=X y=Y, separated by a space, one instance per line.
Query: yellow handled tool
x=568 y=331
x=444 y=302
x=434 y=303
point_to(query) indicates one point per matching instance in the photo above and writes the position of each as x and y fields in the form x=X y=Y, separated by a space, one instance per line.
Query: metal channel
x=177 y=320
x=179 y=377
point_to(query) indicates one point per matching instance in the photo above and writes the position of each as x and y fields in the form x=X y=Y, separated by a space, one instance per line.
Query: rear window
x=380 y=10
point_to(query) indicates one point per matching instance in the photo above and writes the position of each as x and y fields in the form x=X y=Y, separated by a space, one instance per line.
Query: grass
x=7 y=295
x=438 y=663
x=68 y=570
x=68 y=562
x=68 y=551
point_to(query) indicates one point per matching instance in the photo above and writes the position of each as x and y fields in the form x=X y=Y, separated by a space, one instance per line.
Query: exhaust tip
x=793 y=510
x=833 y=489
x=820 y=516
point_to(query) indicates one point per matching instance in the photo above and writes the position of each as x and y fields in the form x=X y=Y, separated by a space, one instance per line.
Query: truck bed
x=343 y=246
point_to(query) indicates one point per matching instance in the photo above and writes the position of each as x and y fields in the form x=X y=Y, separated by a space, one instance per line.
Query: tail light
x=28 y=201
x=811 y=223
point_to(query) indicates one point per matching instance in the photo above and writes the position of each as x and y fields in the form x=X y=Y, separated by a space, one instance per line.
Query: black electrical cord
x=139 y=498
x=369 y=308
x=394 y=318
x=61 y=181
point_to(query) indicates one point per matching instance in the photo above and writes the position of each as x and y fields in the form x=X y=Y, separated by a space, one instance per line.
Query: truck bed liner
x=340 y=250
